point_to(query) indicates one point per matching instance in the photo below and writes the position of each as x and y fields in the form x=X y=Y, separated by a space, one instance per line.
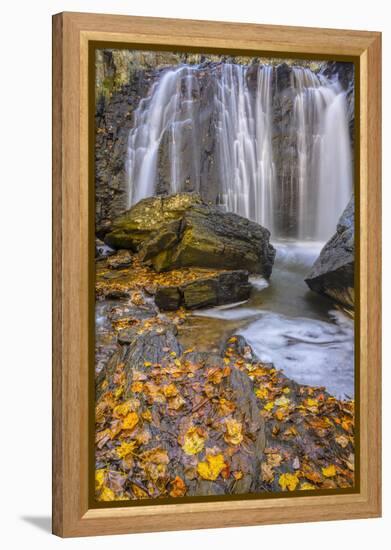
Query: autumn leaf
x=288 y=481
x=329 y=471
x=194 y=441
x=178 y=487
x=342 y=440
x=170 y=391
x=138 y=492
x=262 y=393
x=233 y=434
x=226 y=407
x=267 y=473
x=147 y=415
x=176 y=402
x=120 y=411
x=212 y=467
x=99 y=478
x=282 y=401
x=107 y=495
x=137 y=387
x=130 y=421
x=125 y=449
x=305 y=486
x=269 y=406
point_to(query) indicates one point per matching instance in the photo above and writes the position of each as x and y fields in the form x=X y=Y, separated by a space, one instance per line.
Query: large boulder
x=333 y=272
x=184 y=231
x=223 y=288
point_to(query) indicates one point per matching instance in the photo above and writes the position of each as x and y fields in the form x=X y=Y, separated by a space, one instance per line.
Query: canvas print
x=224 y=272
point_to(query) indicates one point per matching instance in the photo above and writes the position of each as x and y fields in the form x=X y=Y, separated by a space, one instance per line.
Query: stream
x=286 y=324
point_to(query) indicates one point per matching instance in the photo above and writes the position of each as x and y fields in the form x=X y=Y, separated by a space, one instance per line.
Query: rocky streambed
x=187 y=401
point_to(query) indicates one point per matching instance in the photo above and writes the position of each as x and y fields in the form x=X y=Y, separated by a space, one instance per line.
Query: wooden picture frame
x=72 y=33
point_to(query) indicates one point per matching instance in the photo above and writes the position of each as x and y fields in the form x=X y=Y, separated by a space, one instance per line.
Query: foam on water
x=312 y=352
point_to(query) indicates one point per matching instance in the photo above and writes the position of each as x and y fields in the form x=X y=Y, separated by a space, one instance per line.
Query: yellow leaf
x=178 y=487
x=305 y=486
x=170 y=391
x=262 y=393
x=282 y=401
x=233 y=432
x=232 y=339
x=107 y=495
x=120 y=411
x=138 y=492
x=130 y=421
x=329 y=471
x=238 y=474
x=125 y=449
x=194 y=441
x=286 y=390
x=147 y=364
x=118 y=392
x=212 y=467
x=288 y=481
x=99 y=478
x=176 y=402
x=137 y=387
x=269 y=406
x=147 y=415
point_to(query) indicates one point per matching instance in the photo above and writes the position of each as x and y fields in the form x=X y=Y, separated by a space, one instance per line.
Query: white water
x=320 y=174
x=323 y=149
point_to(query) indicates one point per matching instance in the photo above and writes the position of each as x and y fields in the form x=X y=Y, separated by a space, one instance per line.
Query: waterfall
x=244 y=135
x=324 y=173
x=212 y=128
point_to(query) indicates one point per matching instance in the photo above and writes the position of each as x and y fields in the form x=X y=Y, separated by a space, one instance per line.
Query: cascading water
x=242 y=131
x=168 y=151
x=324 y=162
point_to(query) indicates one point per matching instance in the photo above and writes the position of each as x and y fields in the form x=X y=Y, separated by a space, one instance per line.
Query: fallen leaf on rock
x=282 y=401
x=305 y=486
x=194 y=441
x=212 y=467
x=137 y=387
x=342 y=440
x=130 y=421
x=107 y=495
x=267 y=473
x=99 y=478
x=288 y=481
x=262 y=393
x=329 y=471
x=170 y=391
x=233 y=434
x=178 y=487
x=125 y=449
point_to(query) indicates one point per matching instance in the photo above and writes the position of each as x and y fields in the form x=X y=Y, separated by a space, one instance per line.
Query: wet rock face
x=184 y=231
x=224 y=288
x=333 y=272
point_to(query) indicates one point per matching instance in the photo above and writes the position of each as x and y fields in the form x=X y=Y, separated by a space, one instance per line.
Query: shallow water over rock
x=286 y=324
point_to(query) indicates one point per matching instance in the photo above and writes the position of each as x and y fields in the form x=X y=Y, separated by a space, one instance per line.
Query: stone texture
x=333 y=272
x=223 y=288
x=184 y=231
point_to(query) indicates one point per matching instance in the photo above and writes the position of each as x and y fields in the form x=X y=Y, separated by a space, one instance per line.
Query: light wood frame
x=71 y=35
